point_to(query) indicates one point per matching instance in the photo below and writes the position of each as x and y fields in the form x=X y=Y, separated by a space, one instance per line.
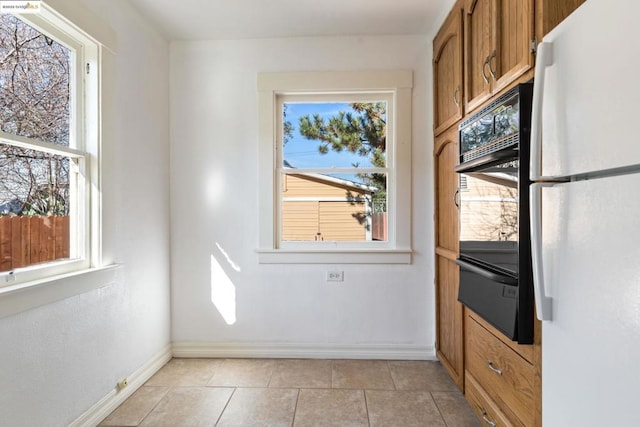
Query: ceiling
x=245 y=19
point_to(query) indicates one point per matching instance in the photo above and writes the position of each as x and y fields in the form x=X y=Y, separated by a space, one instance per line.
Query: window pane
x=34 y=83
x=334 y=134
x=34 y=206
x=318 y=207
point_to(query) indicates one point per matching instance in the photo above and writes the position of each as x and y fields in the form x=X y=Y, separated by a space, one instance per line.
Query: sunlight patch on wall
x=232 y=264
x=215 y=186
x=223 y=292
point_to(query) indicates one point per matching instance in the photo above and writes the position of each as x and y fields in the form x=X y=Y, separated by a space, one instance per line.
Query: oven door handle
x=488 y=274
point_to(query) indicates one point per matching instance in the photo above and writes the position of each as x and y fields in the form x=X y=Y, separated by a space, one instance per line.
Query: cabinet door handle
x=455 y=96
x=455 y=198
x=493 y=73
x=494 y=369
x=487 y=419
x=484 y=75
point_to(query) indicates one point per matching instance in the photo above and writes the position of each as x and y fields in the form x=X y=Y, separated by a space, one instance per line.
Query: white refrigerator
x=585 y=215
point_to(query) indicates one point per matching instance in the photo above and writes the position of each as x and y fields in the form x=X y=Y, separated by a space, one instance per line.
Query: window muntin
x=45 y=226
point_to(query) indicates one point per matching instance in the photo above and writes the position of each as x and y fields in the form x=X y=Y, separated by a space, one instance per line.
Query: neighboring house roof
x=334 y=181
x=339 y=182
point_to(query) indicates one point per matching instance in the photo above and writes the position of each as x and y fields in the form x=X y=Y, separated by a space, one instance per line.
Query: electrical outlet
x=123 y=383
x=335 y=276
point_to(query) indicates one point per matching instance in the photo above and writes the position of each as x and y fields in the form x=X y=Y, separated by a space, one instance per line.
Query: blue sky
x=303 y=153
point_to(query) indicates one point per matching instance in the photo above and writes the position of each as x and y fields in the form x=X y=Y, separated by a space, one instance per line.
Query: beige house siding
x=317 y=209
x=338 y=223
x=308 y=186
x=300 y=220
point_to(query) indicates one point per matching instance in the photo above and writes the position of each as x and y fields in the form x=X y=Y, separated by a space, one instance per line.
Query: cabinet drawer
x=506 y=377
x=524 y=350
x=483 y=406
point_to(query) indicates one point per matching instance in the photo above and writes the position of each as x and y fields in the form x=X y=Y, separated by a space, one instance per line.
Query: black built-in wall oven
x=493 y=198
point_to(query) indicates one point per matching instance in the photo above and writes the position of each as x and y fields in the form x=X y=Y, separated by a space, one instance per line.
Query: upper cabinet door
x=447 y=72
x=479 y=34
x=549 y=13
x=498 y=35
x=514 y=34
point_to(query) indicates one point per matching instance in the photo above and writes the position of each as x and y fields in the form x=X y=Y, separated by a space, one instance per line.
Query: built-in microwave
x=493 y=201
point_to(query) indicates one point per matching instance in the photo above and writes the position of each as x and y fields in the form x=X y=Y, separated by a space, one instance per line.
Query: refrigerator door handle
x=543 y=302
x=544 y=59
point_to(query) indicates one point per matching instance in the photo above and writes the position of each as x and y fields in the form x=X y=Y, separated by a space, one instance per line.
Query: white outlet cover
x=335 y=276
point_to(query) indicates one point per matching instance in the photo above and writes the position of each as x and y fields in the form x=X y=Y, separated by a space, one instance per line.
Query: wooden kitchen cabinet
x=447 y=72
x=446 y=180
x=478 y=46
x=550 y=13
x=500 y=373
x=487 y=45
x=483 y=406
x=498 y=36
x=449 y=313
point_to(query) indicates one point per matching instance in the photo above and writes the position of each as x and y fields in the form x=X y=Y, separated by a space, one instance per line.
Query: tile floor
x=291 y=392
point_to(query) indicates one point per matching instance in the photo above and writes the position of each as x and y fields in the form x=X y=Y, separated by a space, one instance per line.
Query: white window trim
x=272 y=85
x=71 y=277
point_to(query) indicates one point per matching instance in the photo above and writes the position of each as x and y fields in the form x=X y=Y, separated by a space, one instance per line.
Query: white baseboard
x=303 y=351
x=94 y=415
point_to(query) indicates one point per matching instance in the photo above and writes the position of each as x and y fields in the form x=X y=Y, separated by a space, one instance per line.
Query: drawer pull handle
x=494 y=369
x=487 y=419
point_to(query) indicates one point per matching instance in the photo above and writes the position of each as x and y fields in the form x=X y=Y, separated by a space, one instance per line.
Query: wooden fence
x=379 y=226
x=28 y=240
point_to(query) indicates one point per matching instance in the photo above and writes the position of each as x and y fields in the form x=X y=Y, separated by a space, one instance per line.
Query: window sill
x=25 y=296
x=306 y=256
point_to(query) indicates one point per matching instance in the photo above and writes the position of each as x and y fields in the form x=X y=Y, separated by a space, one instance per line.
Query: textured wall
x=58 y=360
x=214 y=157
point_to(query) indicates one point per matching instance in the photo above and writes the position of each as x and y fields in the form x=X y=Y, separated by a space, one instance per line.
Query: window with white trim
x=48 y=148
x=335 y=167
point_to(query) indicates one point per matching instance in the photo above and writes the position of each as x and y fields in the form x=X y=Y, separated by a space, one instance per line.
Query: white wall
x=214 y=149
x=58 y=360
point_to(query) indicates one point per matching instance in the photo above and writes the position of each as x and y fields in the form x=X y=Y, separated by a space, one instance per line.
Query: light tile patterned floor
x=288 y=392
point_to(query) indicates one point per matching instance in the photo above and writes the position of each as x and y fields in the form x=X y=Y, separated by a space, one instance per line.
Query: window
x=48 y=148
x=335 y=167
